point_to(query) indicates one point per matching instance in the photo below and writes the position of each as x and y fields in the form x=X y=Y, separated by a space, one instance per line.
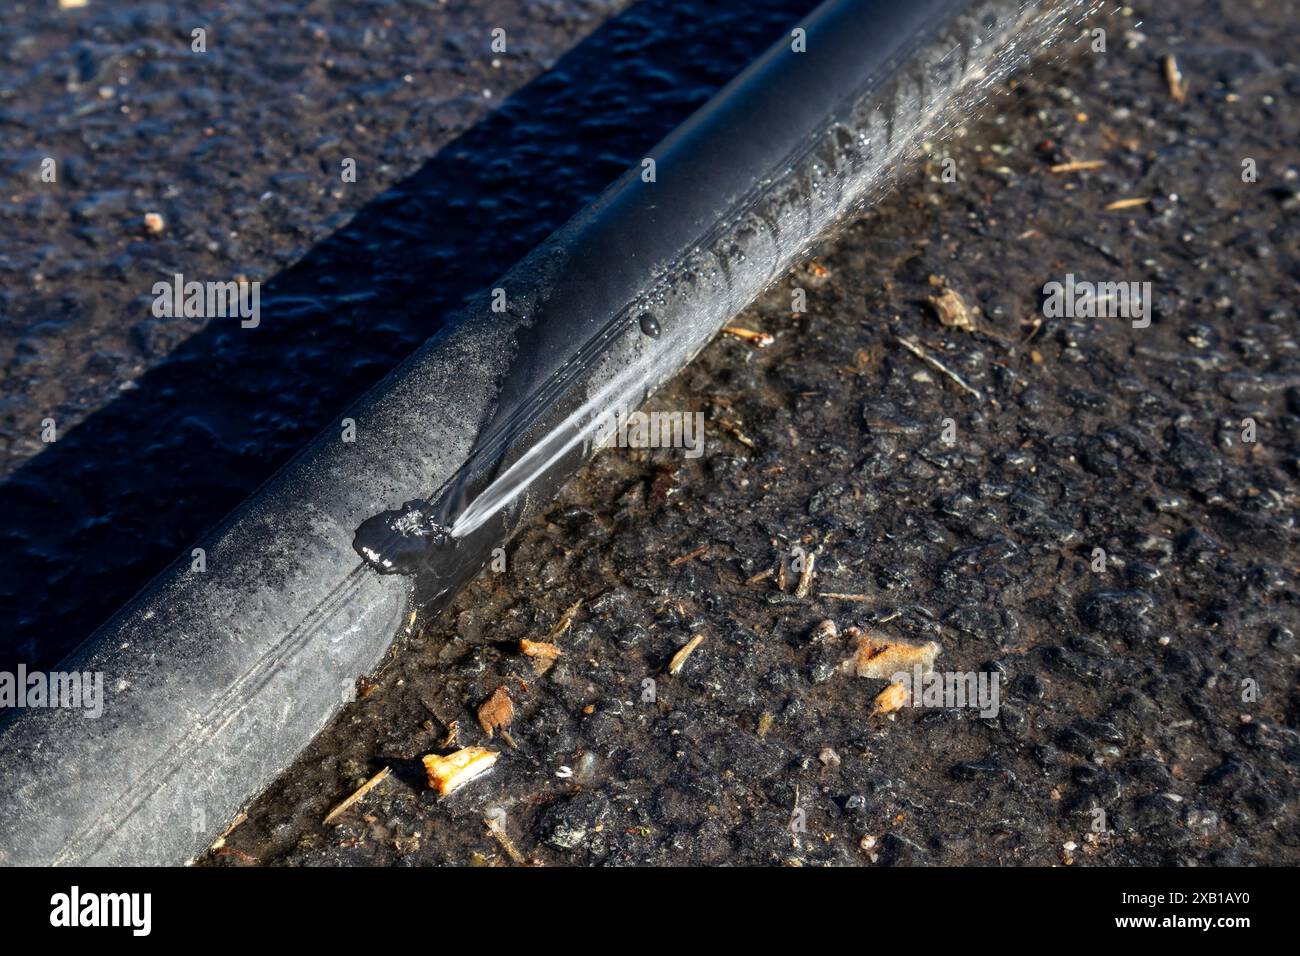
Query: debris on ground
x=543 y=653
x=496 y=713
x=882 y=658
x=679 y=659
x=812 y=274
x=950 y=308
x=806 y=573
x=1077 y=166
x=689 y=556
x=1130 y=203
x=1174 y=77
x=890 y=699
x=825 y=631
x=495 y=820
x=565 y=622
x=449 y=773
x=920 y=352
x=760 y=340
x=357 y=794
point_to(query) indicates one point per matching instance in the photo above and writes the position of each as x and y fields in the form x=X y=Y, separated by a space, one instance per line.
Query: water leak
x=399 y=541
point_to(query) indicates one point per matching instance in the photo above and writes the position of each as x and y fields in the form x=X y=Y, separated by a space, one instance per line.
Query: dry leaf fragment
x=448 y=774
x=882 y=658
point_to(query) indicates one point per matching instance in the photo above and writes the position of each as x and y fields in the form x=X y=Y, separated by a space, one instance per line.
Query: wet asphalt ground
x=1122 y=736
x=1149 y=711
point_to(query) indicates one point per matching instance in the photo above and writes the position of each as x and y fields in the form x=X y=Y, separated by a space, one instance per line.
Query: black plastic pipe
x=214 y=680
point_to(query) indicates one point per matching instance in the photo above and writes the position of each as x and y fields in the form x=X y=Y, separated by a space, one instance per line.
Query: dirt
x=1149 y=711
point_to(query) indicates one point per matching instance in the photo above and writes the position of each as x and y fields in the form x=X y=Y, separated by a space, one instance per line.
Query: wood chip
x=543 y=654
x=540 y=649
x=1127 y=203
x=679 y=659
x=1078 y=166
x=890 y=699
x=952 y=311
x=882 y=658
x=732 y=429
x=1174 y=77
x=448 y=774
x=357 y=794
x=757 y=339
x=565 y=622
x=496 y=714
x=806 y=575
x=678 y=561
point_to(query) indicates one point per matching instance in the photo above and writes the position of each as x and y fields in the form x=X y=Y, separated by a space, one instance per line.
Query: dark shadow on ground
x=92 y=519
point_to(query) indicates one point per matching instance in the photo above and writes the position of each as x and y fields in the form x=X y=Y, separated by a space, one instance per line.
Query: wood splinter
x=679 y=659
x=357 y=794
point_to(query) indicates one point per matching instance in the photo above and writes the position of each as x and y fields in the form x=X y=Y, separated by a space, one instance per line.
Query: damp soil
x=1149 y=711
